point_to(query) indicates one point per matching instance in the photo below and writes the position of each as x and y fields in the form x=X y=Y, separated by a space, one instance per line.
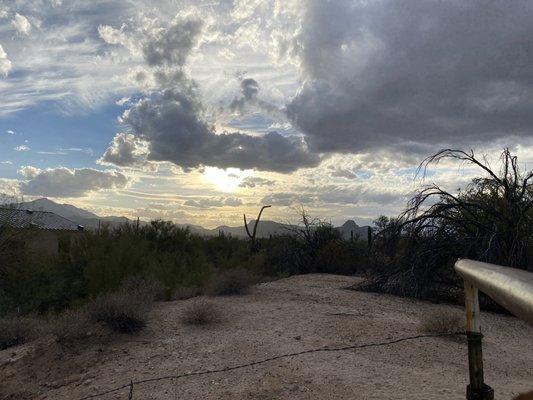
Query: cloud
x=366 y=193
x=5 y=63
x=65 y=182
x=171 y=124
x=21 y=24
x=412 y=74
x=125 y=150
x=288 y=199
x=343 y=173
x=253 y=181
x=172 y=46
x=250 y=97
x=214 y=202
x=22 y=147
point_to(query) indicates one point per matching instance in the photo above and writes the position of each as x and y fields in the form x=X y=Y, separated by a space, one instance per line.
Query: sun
x=226 y=180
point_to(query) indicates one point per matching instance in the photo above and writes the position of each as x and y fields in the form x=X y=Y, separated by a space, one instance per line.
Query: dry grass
x=443 y=321
x=201 y=312
x=122 y=312
x=231 y=282
x=71 y=325
x=17 y=330
x=184 y=293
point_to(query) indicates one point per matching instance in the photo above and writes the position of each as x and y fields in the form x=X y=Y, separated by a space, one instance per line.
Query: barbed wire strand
x=269 y=359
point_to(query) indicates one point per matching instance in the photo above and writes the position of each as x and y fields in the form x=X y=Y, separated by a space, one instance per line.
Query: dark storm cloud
x=172 y=126
x=250 y=96
x=169 y=124
x=415 y=72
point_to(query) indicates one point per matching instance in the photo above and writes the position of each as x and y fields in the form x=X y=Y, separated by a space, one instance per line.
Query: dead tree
x=253 y=243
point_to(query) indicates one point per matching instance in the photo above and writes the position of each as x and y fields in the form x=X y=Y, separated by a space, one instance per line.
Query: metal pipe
x=510 y=287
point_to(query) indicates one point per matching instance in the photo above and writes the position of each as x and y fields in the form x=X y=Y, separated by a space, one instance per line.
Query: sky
x=199 y=111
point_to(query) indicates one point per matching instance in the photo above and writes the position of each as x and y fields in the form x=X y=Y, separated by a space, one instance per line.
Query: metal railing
x=511 y=288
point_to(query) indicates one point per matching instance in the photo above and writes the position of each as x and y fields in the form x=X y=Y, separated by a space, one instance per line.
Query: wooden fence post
x=477 y=389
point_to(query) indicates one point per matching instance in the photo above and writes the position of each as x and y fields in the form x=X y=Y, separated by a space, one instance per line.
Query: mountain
x=350 y=226
x=264 y=229
x=65 y=210
x=68 y=211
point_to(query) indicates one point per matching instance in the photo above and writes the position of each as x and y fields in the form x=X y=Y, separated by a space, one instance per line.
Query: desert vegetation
x=491 y=220
x=201 y=312
x=442 y=321
x=110 y=278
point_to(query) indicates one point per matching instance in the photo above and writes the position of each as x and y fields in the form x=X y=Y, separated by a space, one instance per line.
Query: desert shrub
x=186 y=292
x=120 y=311
x=230 y=282
x=442 y=321
x=314 y=246
x=71 y=325
x=491 y=220
x=201 y=312
x=145 y=288
x=17 y=330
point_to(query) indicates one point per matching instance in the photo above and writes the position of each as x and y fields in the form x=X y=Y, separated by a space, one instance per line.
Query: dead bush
x=443 y=321
x=17 y=330
x=231 y=282
x=123 y=312
x=184 y=293
x=201 y=312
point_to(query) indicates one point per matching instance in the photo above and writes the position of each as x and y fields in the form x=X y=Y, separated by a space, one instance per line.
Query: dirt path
x=289 y=315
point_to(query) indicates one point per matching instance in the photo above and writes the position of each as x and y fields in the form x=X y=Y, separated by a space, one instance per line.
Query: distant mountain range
x=78 y=215
x=91 y=221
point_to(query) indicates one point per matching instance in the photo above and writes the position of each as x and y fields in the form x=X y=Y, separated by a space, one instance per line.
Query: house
x=39 y=232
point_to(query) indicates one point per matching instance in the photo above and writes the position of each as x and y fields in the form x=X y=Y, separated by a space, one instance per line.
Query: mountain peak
x=350 y=224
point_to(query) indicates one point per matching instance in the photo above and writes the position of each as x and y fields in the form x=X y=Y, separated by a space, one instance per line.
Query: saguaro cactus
x=253 y=244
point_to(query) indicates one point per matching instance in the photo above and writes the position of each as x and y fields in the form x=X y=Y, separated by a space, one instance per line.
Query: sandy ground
x=289 y=315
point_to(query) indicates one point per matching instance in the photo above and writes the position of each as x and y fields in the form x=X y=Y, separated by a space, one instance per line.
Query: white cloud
x=3 y=13
x=214 y=202
x=21 y=24
x=65 y=182
x=5 y=63
x=22 y=147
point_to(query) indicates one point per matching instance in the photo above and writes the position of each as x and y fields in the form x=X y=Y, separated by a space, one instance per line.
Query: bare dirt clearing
x=285 y=316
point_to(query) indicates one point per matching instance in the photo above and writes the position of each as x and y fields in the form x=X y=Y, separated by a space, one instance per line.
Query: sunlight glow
x=226 y=180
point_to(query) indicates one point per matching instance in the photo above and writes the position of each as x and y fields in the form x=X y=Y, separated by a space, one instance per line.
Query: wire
x=265 y=360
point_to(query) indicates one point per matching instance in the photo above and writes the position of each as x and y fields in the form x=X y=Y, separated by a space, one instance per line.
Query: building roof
x=14 y=218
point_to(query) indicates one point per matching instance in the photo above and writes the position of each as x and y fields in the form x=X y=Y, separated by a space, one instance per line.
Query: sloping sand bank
x=285 y=316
